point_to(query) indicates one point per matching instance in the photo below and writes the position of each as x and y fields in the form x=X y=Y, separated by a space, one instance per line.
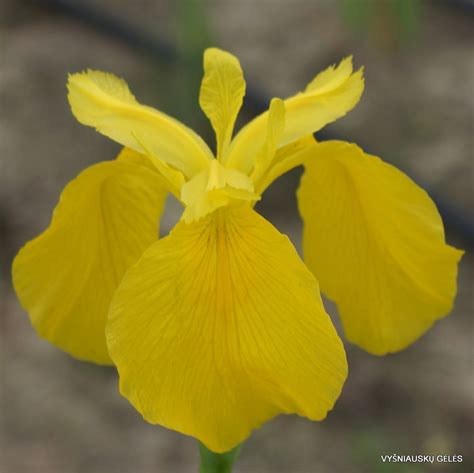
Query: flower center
x=215 y=187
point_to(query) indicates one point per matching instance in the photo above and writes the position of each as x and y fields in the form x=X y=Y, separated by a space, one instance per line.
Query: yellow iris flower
x=219 y=326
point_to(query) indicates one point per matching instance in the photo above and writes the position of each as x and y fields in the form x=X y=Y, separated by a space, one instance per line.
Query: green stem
x=217 y=462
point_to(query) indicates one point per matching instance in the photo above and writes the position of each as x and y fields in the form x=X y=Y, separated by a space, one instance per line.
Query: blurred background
x=62 y=416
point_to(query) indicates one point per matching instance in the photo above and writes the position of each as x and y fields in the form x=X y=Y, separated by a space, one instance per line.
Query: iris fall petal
x=220 y=327
x=375 y=241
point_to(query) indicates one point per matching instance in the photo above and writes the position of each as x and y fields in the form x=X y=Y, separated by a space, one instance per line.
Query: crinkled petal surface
x=329 y=96
x=375 y=241
x=104 y=101
x=65 y=278
x=222 y=91
x=219 y=327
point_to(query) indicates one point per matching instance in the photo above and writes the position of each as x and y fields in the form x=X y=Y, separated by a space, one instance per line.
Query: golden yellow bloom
x=219 y=326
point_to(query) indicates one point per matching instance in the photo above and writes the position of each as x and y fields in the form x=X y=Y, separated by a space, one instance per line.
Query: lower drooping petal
x=65 y=278
x=219 y=327
x=375 y=241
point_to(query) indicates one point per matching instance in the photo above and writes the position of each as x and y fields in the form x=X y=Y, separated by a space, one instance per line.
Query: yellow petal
x=222 y=92
x=331 y=78
x=198 y=201
x=286 y=158
x=330 y=95
x=65 y=278
x=173 y=180
x=275 y=129
x=168 y=179
x=215 y=188
x=220 y=327
x=375 y=241
x=103 y=101
x=130 y=156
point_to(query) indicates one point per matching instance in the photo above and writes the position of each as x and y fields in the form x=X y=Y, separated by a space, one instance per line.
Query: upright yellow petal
x=220 y=327
x=173 y=179
x=103 y=101
x=65 y=278
x=329 y=96
x=331 y=78
x=375 y=241
x=222 y=92
x=275 y=129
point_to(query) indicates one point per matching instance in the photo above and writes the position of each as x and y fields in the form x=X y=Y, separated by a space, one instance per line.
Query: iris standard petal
x=375 y=241
x=221 y=95
x=104 y=101
x=285 y=159
x=329 y=96
x=275 y=128
x=65 y=278
x=219 y=327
